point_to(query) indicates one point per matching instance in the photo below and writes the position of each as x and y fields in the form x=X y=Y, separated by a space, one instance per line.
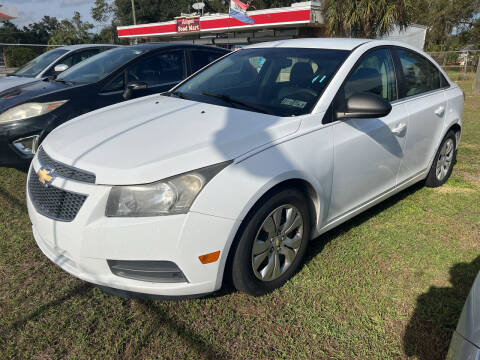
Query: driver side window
x=374 y=74
x=168 y=67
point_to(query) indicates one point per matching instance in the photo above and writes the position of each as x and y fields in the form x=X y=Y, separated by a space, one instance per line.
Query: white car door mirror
x=60 y=68
x=365 y=105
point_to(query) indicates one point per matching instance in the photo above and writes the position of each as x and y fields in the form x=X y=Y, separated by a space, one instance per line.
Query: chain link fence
x=460 y=65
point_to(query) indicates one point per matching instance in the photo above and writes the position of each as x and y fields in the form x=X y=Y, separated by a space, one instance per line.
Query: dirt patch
x=451 y=190
x=473 y=179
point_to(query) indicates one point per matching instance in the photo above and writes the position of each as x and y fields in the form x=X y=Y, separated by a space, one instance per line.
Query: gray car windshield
x=277 y=81
x=99 y=66
x=37 y=65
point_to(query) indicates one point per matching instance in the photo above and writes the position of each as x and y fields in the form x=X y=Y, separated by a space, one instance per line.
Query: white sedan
x=230 y=174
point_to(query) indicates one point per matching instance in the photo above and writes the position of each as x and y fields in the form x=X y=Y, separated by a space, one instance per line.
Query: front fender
x=235 y=190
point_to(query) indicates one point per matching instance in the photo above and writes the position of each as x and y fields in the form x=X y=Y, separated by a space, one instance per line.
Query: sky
x=33 y=10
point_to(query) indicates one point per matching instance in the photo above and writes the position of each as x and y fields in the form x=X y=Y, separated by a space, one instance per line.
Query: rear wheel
x=272 y=244
x=442 y=165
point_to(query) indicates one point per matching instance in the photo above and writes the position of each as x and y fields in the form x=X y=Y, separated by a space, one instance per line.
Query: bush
x=18 y=56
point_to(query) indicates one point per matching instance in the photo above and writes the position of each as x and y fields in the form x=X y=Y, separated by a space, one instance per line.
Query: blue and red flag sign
x=238 y=10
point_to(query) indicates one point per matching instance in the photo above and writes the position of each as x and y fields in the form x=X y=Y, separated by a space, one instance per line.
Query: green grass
x=388 y=284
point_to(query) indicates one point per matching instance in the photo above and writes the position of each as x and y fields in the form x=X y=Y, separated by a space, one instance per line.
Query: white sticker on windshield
x=295 y=103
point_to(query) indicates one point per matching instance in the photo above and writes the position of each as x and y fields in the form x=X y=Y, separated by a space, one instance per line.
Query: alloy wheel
x=277 y=242
x=444 y=161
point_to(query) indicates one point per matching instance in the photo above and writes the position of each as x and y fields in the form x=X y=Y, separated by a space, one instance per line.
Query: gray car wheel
x=443 y=162
x=272 y=243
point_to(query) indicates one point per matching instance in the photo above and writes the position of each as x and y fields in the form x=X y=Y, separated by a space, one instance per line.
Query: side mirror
x=132 y=87
x=60 y=68
x=365 y=105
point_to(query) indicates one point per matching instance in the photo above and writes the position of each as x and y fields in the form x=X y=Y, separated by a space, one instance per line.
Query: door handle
x=440 y=111
x=399 y=128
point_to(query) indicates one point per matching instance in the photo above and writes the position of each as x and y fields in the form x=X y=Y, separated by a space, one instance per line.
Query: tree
x=40 y=32
x=445 y=20
x=10 y=33
x=366 y=18
x=102 y=11
x=71 y=32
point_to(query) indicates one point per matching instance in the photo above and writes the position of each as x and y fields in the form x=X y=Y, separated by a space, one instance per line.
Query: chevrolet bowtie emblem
x=45 y=176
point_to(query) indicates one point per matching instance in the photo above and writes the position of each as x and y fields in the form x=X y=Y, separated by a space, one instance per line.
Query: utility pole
x=133 y=14
x=134 y=19
x=476 y=82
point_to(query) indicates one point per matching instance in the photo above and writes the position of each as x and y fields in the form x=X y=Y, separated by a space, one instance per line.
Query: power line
x=10 y=44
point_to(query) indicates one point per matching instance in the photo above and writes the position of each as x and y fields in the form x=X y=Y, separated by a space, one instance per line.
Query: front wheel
x=272 y=244
x=442 y=165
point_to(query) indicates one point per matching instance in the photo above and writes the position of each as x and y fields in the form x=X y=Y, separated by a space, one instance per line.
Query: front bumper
x=11 y=132
x=83 y=246
x=462 y=349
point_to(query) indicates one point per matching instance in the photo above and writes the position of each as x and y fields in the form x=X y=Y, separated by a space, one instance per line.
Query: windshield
x=37 y=65
x=278 y=81
x=99 y=66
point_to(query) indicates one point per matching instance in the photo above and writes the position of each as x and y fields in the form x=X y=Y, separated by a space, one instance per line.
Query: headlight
x=174 y=195
x=29 y=110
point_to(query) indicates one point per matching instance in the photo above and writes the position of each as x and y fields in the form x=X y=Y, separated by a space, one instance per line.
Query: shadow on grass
x=79 y=289
x=319 y=243
x=12 y=200
x=23 y=167
x=204 y=348
x=428 y=333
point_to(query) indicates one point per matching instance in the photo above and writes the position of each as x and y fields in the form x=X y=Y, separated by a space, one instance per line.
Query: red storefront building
x=298 y=20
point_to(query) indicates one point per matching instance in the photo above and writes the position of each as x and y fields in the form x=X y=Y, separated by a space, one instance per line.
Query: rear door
x=422 y=92
x=367 y=152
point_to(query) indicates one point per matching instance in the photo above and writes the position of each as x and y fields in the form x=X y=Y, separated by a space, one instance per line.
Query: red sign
x=188 y=24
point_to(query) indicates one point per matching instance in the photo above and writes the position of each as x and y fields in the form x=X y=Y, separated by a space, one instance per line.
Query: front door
x=160 y=72
x=367 y=152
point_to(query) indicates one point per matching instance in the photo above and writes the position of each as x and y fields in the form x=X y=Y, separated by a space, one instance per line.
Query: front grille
x=53 y=202
x=63 y=170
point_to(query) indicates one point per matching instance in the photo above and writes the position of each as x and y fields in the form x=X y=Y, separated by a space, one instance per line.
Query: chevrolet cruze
x=230 y=174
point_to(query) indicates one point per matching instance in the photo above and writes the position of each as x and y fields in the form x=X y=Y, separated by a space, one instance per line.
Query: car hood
x=469 y=323
x=9 y=82
x=154 y=137
x=27 y=92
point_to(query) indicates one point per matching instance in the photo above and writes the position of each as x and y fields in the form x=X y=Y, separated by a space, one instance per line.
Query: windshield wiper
x=231 y=100
x=178 y=94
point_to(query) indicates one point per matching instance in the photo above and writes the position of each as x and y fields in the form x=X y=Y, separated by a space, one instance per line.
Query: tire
x=443 y=162
x=277 y=254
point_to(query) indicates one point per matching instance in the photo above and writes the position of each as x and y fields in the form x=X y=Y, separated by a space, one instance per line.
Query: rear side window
x=374 y=74
x=420 y=75
x=79 y=57
x=201 y=58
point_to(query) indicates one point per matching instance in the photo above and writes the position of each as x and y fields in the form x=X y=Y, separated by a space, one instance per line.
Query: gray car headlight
x=174 y=195
x=28 y=110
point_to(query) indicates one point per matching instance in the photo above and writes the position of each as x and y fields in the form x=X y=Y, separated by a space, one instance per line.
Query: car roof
x=85 y=46
x=317 y=43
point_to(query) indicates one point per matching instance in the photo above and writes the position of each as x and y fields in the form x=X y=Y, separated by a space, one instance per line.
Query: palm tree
x=365 y=18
